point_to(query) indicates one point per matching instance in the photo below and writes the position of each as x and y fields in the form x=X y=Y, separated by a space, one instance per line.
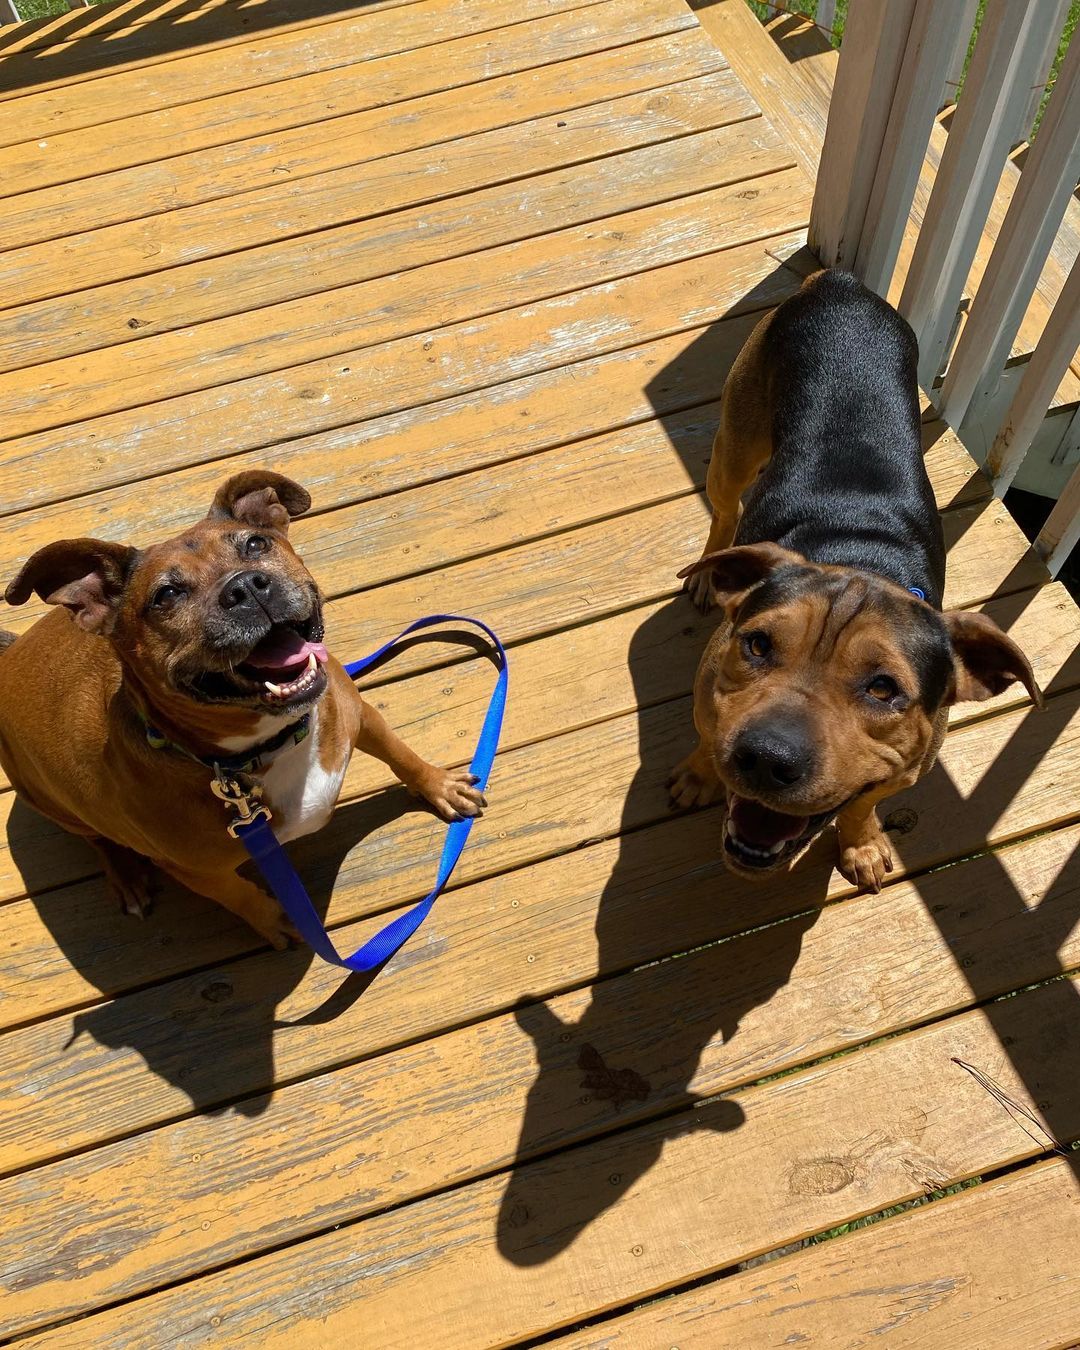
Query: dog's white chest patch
x=299 y=791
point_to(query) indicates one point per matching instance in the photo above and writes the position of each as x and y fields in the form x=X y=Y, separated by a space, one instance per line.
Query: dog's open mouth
x=285 y=669
x=758 y=837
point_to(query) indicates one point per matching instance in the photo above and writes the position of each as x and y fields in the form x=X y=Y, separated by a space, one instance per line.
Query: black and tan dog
x=826 y=686
x=213 y=641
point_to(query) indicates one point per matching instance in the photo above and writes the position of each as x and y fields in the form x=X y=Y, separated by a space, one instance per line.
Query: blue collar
x=247 y=761
x=916 y=591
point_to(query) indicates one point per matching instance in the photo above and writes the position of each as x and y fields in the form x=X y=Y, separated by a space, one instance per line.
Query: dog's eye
x=256 y=544
x=883 y=688
x=167 y=595
x=757 y=645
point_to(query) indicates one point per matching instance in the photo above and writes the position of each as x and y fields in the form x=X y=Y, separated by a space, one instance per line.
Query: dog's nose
x=245 y=589
x=772 y=758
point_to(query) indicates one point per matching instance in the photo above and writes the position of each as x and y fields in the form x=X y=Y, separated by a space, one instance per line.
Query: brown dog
x=825 y=687
x=212 y=641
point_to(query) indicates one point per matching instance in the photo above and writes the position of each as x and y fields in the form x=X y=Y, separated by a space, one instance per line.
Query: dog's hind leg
x=741 y=448
x=129 y=877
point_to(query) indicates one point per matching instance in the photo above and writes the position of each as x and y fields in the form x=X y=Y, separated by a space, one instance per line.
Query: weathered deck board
x=209 y=150
x=550 y=493
x=995 y=1266
x=268 y=273
x=68 y=48
x=264 y=62
x=624 y=1217
x=85 y=1096
x=557 y=599
x=292 y=333
x=210 y=229
x=147 y=1199
x=393 y=376
x=491 y=345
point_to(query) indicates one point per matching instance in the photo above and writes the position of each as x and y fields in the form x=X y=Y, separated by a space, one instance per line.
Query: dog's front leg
x=244 y=899
x=866 y=855
x=452 y=792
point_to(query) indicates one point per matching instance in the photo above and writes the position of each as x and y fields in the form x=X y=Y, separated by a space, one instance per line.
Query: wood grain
x=637 y=659
x=35 y=856
x=393 y=376
x=937 y=1277
x=132 y=311
x=296 y=332
x=562 y=1098
x=94 y=256
x=998 y=780
x=139 y=1201
x=263 y=61
x=178 y=156
x=624 y=1218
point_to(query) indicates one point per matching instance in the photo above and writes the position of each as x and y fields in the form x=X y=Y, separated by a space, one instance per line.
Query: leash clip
x=246 y=801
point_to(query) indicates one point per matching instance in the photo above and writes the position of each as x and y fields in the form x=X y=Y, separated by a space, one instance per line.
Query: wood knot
x=902 y=821
x=820 y=1176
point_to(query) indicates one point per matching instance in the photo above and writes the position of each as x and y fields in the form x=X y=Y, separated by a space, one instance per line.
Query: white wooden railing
x=899 y=64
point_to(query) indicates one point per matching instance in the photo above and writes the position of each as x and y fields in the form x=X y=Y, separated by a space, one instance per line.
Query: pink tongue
x=283 y=649
x=759 y=825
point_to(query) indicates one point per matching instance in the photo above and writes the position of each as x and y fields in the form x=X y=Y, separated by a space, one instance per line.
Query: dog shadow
x=209 y=1033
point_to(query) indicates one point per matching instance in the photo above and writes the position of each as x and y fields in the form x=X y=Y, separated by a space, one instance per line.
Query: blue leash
x=280 y=875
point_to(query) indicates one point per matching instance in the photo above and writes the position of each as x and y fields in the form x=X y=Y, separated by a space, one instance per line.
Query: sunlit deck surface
x=473 y=273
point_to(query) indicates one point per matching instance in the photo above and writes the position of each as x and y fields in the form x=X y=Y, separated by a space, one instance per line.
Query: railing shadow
x=87 y=42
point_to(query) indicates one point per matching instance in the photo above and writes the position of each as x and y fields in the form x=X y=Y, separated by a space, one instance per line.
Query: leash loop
x=252 y=826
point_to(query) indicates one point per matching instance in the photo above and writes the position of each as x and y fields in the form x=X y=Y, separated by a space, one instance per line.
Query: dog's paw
x=454 y=795
x=693 y=783
x=701 y=590
x=866 y=865
x=269 y=921
x=135 y=895
x=131 y=879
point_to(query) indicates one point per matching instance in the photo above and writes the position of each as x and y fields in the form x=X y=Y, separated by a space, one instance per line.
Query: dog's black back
x=846 y=483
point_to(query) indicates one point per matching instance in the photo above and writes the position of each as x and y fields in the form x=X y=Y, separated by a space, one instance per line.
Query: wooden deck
x=474 y=273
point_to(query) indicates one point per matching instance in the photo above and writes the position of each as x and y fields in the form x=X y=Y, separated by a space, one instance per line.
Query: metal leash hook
x=246 y=801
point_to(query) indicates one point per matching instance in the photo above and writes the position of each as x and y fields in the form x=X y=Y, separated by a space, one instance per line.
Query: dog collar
x=249 y=761
x=915 y=590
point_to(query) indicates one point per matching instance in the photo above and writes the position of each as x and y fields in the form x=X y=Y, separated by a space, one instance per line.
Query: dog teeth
x=298 y=686
x=751 y=849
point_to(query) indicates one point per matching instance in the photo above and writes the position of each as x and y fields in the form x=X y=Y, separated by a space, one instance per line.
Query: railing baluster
x=963 y=41
x=1040 y=380
x=1045 y=65
x=875 y=35
x=915 y=103
x=1061 y=533
x=984 y=129
x=826 y=15
x=1027 y=236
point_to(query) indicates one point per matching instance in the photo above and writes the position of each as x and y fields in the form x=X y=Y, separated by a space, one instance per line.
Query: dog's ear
x=261 y=498
x=86 y=576
x=985 y=660
x=736 y=570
